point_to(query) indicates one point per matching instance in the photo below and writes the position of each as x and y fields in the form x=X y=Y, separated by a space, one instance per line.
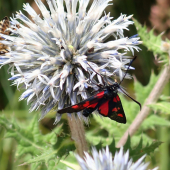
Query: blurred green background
x=153 y=13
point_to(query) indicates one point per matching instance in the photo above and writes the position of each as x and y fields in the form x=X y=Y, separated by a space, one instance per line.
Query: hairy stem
x=78 y=134
x=153 y=97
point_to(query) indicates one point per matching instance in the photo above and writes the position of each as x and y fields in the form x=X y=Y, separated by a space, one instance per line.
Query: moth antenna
x=131 y=98
x=127 y=69
x=105 y=78
x=94 y=82
x=97 y=73
x=91 y=79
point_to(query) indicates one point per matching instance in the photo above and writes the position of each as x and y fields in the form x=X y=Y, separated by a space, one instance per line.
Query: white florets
x=103 y=160
x=50 y=55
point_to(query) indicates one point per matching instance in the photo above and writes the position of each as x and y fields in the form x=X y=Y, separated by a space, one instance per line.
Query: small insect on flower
x=4 y=25
x=107 y=102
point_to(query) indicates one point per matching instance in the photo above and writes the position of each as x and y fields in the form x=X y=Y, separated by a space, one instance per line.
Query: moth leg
x=88 y=111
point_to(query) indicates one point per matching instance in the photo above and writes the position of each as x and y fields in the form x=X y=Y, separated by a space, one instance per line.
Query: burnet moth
x=106 y=101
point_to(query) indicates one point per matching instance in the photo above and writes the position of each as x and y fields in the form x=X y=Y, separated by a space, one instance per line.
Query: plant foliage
x=116 y=130
x=151 y=41
x=55 y=150
x=45 y=150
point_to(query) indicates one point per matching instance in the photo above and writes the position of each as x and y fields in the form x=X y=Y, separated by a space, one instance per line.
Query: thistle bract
x=49 y=56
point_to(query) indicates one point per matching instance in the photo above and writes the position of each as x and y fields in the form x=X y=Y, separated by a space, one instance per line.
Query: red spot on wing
x=114 y=109
x=114 y=99
x=100 y=95
x=86 y=104
x=93 y=105
x=117 y=97
x=75 y=106
x=120 y=115
x=104 y=108
x=118 y=108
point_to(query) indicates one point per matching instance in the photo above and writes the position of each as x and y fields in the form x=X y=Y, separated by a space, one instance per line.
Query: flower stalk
x=153 y=97
x=78 y=134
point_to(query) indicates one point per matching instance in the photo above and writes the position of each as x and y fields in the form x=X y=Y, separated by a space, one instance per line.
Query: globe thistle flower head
x=103 y=160
x=51 y=56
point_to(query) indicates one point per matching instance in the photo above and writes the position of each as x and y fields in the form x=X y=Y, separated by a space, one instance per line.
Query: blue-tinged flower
x=103 y=160
x=50 y=55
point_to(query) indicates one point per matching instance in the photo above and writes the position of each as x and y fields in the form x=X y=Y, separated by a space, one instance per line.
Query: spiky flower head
x=103 y=160
x=50 y=55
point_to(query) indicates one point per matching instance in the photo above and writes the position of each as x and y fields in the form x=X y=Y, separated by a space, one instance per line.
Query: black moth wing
x=112 y=108
x=91 y=102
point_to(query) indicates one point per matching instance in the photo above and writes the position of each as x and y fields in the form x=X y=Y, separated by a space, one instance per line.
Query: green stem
x=164 y=155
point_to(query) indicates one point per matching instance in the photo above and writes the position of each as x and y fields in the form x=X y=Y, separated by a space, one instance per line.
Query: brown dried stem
x=78 y=134
x=153 y=97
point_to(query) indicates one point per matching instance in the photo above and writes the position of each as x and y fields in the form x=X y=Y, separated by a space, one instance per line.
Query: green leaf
x=163 y=107
x=152 y=42
x=154 y=120
x=69 y=164
x=164 y=97
x=134 y=152
x=145 y=139
x=94 y=140
x=43 y=148
x=139 y=152
x=141 y=91
x=45 y=157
